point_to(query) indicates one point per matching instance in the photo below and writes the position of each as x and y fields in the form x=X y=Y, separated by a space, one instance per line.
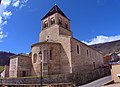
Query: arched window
x=78 y=49
x=87 y=52
x=35 y=58
x=51 y=55
x=52 y=20
x=66 y=25
x=94 y=65
x=45 y=24
x=60 y=22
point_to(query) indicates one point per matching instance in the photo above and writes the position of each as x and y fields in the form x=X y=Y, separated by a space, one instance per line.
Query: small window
x=35 y=58
x=87 y=52
x=94 y=65
x=45 y=24
x=78 y=49
x=66 y=25
x=118 y=49
x=52 y=20
x=60 y=22
x=24 y=73
x=51 y=55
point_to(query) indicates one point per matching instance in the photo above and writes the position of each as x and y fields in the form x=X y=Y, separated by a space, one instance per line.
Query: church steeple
x=55 y=16
x=54 y=10
x=54 y=24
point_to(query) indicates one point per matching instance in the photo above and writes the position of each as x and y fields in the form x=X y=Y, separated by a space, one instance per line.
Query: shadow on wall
x=65 y=65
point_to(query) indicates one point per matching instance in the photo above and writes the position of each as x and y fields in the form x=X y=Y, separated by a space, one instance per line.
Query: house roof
x=54 y=10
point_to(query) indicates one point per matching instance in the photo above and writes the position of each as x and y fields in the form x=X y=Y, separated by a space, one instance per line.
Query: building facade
x=20 y=66
x=61 y=52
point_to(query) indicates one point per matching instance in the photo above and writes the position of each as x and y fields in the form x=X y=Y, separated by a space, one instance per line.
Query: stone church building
x=61 y=52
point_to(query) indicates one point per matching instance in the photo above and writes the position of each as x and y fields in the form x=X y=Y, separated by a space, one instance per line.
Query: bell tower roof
x=54 y=10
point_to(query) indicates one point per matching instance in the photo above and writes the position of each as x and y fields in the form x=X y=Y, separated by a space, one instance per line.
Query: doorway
x=24 y=73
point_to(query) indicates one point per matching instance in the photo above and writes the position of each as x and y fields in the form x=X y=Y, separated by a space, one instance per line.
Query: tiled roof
x=55 y=9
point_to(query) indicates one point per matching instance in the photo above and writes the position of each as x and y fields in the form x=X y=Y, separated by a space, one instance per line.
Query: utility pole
x=40 y=54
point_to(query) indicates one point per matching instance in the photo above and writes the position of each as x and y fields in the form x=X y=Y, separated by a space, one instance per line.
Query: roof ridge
x=55 y=9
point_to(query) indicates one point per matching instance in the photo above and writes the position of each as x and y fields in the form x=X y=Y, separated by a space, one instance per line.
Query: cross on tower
x=55 y=2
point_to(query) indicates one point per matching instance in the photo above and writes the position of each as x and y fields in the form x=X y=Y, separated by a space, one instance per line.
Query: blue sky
x=92 y=21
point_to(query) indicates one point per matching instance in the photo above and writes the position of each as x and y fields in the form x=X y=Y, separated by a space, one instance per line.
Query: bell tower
x=54 y=24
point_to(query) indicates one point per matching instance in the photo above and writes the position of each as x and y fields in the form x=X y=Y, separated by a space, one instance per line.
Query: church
x=60 y=52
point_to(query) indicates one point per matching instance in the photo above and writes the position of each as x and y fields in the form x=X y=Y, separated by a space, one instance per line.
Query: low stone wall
x=78 y=79
x=89 y=76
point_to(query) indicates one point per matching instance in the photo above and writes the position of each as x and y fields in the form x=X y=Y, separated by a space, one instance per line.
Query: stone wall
x=51 y=66
x=65 y=57
x=53 y=31
x=64 y=20
x=50 y=34
x=84 y=57
x=78 y=79
x=24 y=66
x=20 y=66
x=89 y=76
x=13 y=67
x=63 y=31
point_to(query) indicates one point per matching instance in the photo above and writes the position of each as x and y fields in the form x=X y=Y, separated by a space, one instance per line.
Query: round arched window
x=52 y=20
x=45 y=24
x=35 y=58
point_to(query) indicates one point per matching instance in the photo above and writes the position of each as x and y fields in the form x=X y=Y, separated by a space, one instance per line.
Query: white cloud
x=6 y=2
x=5 y=22
x=102 y=39
x=16 y=4
x=5 y=13
x=2 y=35
x=19 y=3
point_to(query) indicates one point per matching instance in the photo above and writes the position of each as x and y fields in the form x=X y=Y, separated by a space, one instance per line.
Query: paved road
x=98 y=83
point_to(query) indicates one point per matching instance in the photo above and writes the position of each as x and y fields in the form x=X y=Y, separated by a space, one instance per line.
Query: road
x=98 y=83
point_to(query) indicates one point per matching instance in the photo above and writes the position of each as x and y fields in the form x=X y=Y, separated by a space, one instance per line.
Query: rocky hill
x=108 y=47
x=4 y=58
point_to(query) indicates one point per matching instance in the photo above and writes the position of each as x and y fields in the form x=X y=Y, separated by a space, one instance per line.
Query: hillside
x=108 y=47
x=4 y=58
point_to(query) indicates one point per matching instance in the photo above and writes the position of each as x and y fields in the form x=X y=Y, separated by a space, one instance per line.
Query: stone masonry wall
x=87 y=58
x=20 y=66
x=52 y=66
x=65 y=56
x=24 y=65
x=77 y=79
x=50 y=33
x=13 y=67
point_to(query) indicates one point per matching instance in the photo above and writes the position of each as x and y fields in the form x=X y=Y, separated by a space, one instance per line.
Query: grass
x=1 y=68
